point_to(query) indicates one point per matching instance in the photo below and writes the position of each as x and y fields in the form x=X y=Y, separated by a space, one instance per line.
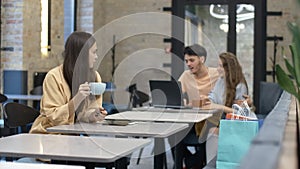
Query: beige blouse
x=56 y=107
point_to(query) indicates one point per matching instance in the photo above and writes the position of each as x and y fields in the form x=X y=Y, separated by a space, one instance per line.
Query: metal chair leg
x=139 y=157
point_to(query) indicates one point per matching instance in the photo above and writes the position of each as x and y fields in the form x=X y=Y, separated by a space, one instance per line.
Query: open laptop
x=166 y=94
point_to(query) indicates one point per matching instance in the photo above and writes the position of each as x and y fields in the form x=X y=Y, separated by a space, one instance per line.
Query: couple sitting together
x=219 y=87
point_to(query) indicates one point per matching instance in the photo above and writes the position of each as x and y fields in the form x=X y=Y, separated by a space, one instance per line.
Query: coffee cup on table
x=97 y=88
x=198 y=103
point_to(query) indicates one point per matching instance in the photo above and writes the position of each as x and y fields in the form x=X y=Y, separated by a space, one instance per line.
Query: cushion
x=269 y=95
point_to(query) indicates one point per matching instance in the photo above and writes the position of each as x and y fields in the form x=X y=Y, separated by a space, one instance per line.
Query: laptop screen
x=166 y=93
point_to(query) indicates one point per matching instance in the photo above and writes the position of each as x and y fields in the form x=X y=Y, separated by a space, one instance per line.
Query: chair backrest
x=38 y=78
x=18 y=115
x=268 y=97
x=38 y=90
x=3 y=98
x=137 y=97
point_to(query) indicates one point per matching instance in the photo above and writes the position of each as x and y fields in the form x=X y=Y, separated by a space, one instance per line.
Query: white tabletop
x=23 y=97
x=16 y=165
x=71 y=148
x=172 y=110
x=159 y=131
x=178 y=117
x=142 y=129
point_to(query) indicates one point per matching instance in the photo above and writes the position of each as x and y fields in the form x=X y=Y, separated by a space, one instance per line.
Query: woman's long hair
x=233 y=76
x=76 y=68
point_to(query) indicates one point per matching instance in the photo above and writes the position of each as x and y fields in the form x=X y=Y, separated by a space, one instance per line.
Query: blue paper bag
x=235 y=137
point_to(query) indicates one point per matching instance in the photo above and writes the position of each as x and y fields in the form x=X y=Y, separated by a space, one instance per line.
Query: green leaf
x=289 y=67
x=296 y=62
x=294 y=28
x=285 y=81
x=295 y=49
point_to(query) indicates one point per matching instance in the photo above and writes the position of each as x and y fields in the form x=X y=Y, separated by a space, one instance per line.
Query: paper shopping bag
x=231 y=116
x=235 y=137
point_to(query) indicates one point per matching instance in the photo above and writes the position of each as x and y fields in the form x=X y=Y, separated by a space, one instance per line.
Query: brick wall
x=138 y=57
x=11 y=36
x=21 y=31
x=277 y=26
x=12 y=39
x=85 y=15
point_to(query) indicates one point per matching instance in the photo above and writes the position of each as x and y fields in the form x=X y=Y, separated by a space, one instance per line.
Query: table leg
x=20 y=101
x=178 y=155
x=89 y=166
x=178 y=148
x=121 y=163
x=159 y=150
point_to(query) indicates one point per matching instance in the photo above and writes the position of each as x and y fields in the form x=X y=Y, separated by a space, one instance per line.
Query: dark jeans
x=196 y=160
x=191 y=138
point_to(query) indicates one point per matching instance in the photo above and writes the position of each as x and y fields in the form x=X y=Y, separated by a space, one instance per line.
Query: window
x=45 y=13
x=69 y=23
x=69 y=18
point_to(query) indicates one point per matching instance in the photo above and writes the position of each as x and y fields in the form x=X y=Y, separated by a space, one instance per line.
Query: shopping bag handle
x=237 y=112
x=246 y=108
